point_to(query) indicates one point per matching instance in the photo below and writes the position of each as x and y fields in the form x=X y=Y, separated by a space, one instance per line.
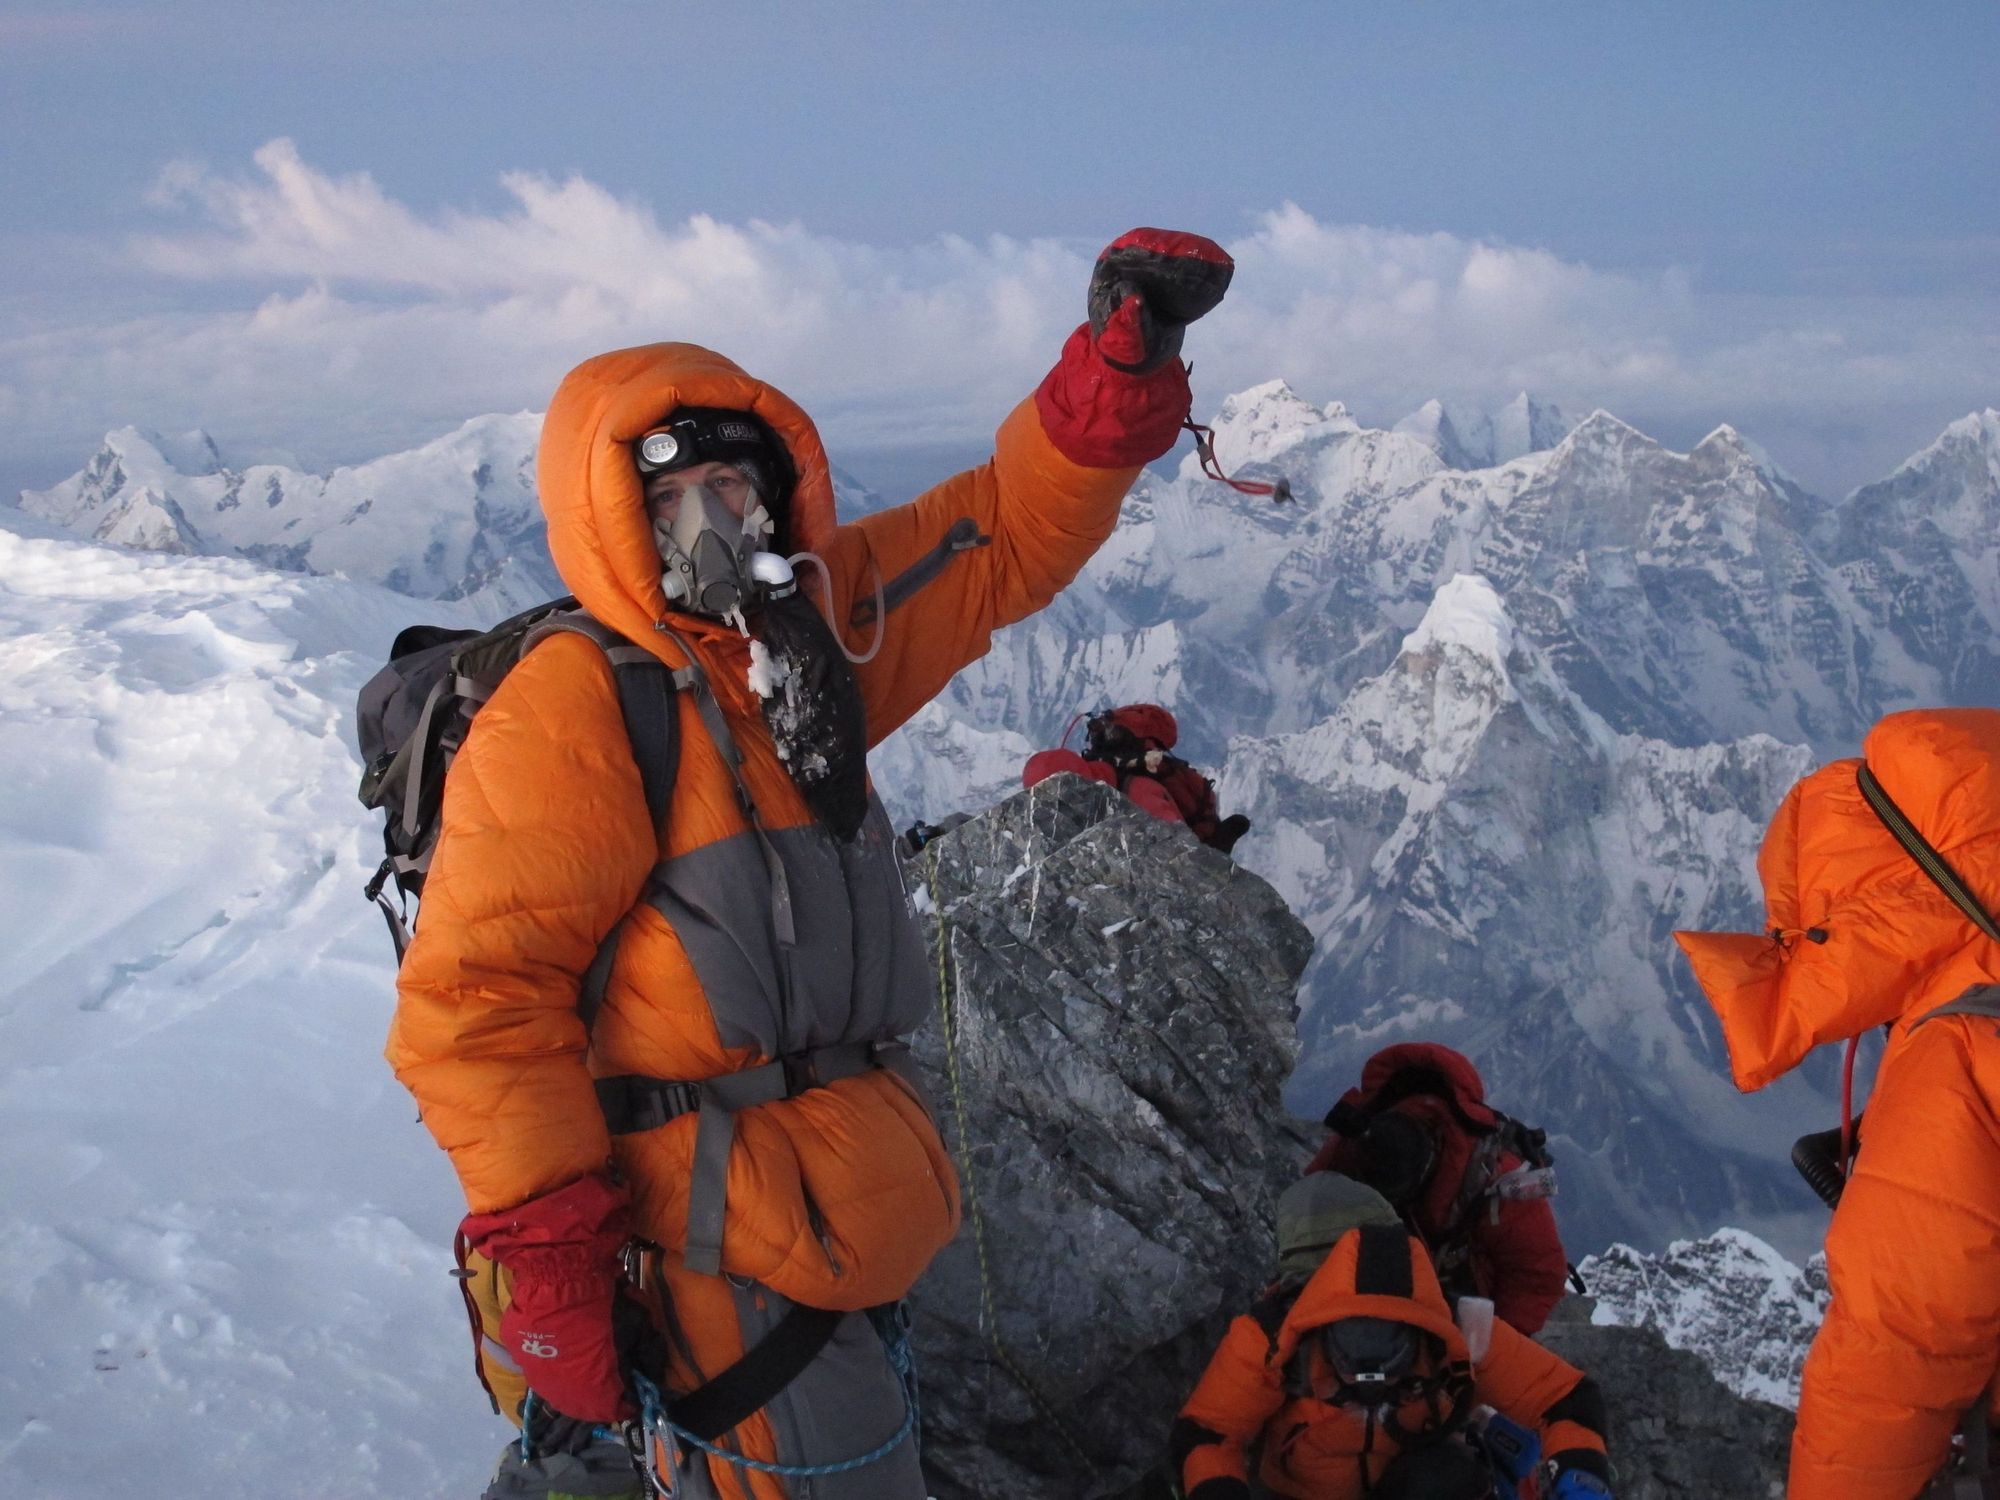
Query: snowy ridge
x=209 y=1277
x=446 y=520
x=1483 y=859
x=455 y=518
x=1732 y=1299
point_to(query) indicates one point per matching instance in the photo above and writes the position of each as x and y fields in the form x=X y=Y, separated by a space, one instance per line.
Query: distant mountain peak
x=1729 y=1297
x=193 y=453
x=1255 y=425
x=1975 y=432
x=1466 y=612
x=1466 y=437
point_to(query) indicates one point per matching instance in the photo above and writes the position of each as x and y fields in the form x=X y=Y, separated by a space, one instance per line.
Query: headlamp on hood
x=691 y=435
x=710 y=559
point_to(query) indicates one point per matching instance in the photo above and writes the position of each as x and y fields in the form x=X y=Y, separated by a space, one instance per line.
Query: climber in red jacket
x=1128 y=748
x=1471 y=1182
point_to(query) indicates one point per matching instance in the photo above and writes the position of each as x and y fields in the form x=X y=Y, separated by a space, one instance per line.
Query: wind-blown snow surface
x=224 y=1242
x=1732 y=1299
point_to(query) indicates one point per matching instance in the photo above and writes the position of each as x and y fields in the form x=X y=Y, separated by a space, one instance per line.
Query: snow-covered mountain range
x=1500 y=728
x=1729 y=1297
x=456 y=518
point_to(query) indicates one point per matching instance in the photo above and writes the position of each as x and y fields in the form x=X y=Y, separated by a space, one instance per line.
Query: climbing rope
x=659 y=1437
x=948 y=1019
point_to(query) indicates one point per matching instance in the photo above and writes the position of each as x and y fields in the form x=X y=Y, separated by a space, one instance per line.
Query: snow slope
x=223 y=1240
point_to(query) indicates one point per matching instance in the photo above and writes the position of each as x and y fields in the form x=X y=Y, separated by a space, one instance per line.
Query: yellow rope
x=963 y=1155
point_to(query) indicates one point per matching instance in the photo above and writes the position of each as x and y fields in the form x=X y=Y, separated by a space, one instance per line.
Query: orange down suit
x=1860 y=936
x=838 y=1196
x=1316 y=1450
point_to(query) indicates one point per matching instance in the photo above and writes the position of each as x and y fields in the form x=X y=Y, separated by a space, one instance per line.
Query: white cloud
x=338 y=321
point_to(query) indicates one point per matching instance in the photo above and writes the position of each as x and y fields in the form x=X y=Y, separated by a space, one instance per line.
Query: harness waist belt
x=633 y=1102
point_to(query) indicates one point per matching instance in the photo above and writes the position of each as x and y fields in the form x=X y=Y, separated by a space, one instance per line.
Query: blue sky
x=334 y=230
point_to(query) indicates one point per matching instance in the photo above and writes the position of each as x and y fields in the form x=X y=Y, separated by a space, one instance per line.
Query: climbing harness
x=656 y=1441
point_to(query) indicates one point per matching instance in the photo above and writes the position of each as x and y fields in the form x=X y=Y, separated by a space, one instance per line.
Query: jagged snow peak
x=1468 y=438
x=1256 y=425
x=1975 y=435
x=1731 y=1298
x=449 y=519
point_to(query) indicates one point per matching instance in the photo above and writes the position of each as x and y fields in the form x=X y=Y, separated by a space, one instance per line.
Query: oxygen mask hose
x=826 y=580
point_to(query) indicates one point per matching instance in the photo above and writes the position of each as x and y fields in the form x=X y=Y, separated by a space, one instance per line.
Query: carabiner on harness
x=1280 y=489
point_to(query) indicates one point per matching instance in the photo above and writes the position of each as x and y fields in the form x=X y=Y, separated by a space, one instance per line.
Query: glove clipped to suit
x=562 y=1252
x=1118 y=395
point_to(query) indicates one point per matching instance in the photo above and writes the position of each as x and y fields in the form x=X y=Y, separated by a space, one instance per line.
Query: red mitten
x=1118 y=395
x=562 y=1250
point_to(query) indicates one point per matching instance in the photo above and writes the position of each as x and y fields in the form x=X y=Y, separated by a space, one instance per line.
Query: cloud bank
x=319 y=315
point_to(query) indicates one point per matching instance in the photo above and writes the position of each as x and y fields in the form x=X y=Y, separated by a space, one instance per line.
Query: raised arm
x=996 y=543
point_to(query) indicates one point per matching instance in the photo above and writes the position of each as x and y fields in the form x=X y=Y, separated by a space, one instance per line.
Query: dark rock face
x=1117 y=1025
x=1676 y=1432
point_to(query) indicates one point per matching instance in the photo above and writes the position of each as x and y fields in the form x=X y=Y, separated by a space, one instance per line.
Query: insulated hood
x=599 y=534
x=1374 y=1271
x=1857 y=934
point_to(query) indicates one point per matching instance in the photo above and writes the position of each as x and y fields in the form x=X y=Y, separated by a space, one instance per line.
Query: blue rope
x=895 y=1342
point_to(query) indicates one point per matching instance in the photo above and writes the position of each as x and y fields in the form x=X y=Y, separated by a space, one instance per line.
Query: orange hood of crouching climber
x=1269 y=1379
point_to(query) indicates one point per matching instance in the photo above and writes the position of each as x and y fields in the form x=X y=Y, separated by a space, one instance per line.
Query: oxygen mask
x=710 y=557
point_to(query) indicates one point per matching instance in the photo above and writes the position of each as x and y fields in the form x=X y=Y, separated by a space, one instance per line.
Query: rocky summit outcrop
x=1677 y=1433
x=1116 y=1023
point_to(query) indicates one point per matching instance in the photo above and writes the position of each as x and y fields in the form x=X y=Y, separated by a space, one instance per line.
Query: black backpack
x=414 y=714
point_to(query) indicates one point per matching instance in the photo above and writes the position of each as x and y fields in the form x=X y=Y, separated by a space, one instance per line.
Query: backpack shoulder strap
x=647 y=689
x=1928 y=859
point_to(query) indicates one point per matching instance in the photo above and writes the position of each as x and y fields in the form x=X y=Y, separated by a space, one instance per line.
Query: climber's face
x=725 y=482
